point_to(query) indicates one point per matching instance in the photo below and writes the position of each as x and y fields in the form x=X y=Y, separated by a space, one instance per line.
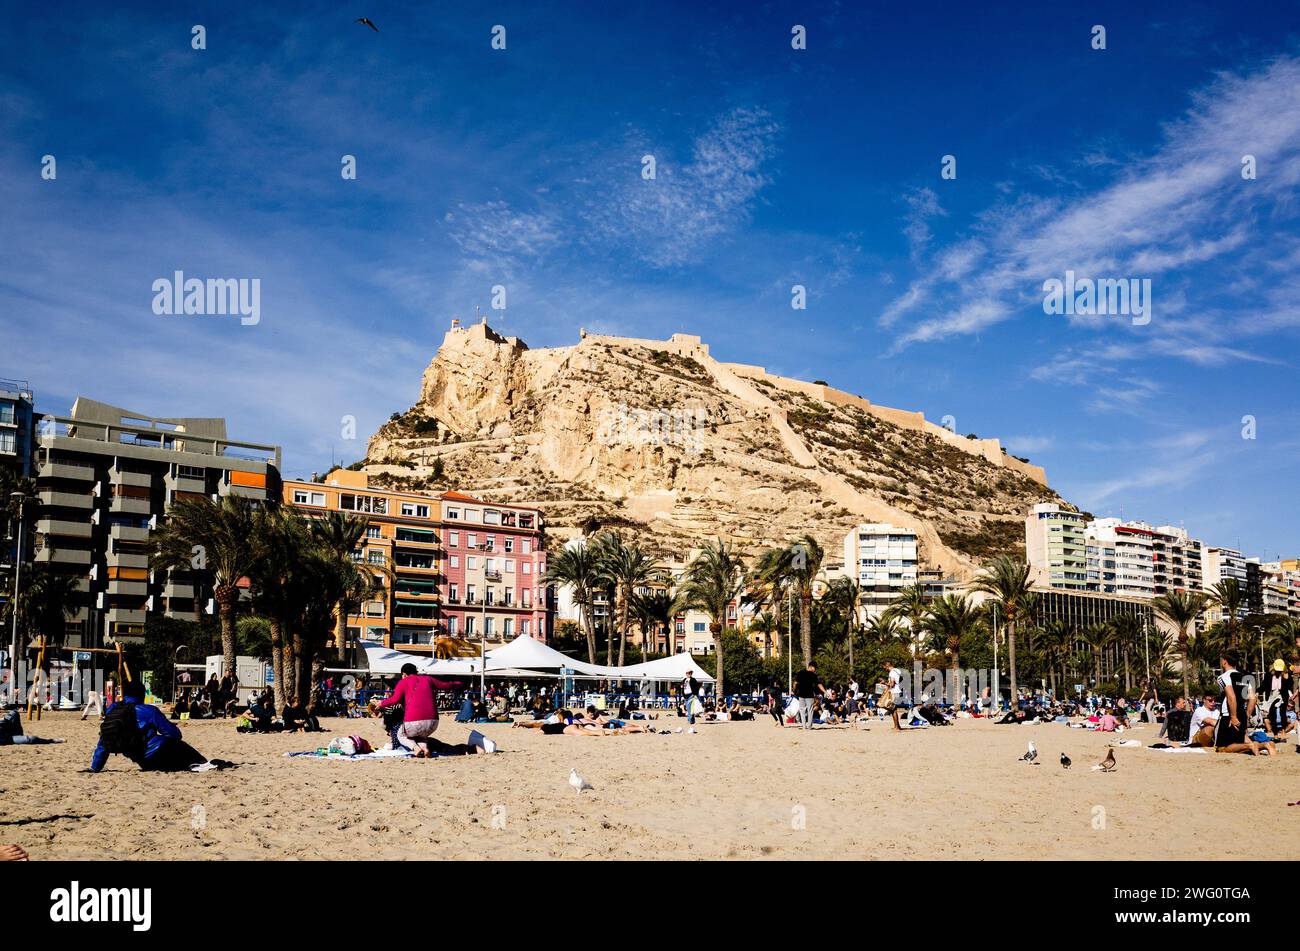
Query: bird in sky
x=578 y=783
x=1065 y=761
x=368 y=22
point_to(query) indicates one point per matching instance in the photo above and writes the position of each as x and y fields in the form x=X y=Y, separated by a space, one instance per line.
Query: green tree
x=577 y=568
x=950 y=620
x=337 y=536
x=627 y=568
x=714 y=579
x=213 y=537
x=1006 y=581
x=1180 y=609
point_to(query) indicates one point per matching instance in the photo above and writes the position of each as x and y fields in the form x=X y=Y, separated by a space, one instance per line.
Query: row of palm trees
x=300 y=573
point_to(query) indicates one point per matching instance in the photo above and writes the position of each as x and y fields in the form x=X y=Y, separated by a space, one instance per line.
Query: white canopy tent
x=526 y=657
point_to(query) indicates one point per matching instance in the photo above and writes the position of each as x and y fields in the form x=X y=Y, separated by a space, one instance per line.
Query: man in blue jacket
x=141 y=733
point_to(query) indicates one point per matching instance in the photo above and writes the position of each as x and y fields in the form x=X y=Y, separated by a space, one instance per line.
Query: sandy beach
x=734 y=790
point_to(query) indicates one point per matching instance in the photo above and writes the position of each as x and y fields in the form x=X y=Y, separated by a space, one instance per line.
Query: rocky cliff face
x=660 y=438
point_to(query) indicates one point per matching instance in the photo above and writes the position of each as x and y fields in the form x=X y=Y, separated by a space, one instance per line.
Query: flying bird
x=368 y=22
x=578 y=783
x=1031 y=755
x=1065 y=761
x=1108 y=764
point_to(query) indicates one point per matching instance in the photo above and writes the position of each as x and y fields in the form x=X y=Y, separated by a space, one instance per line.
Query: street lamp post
x=18 y=567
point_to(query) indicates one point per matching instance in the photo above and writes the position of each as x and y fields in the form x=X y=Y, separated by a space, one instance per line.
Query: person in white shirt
x=1204 y=717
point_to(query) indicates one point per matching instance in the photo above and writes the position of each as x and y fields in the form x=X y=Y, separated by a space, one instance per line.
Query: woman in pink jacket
x=417 y=693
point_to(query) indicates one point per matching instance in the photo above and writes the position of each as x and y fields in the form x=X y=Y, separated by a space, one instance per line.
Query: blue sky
x=821 y=167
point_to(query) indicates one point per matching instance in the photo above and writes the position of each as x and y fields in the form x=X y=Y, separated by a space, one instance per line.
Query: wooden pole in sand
x=37 y=680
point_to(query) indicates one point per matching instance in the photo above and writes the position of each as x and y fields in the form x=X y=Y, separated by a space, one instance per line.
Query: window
x=510 y=566
x=375 y=557
x=528 y=568
x=509 y=597
x=510 y=544
x=698 y=627
x=374 y=609
x=471 y=540
x=303 y=497
x=452 y=623
x=198 y=472
x=453 y=539
x=489 y=564
x=528 y=597
x=523 y=627
x=469 y=627
x=469 y=594
x=453 y=592
x=528 y=547
x=489 y=595
x=416 y=535
x=507 y=628
x=491 y=517
x=7 y=441
x=363 y=503
x=487 y=626
x=472 y=515
x=453 y=514
x=372 y=531
x=413 y=509
x=455 y=561
x=471 y=562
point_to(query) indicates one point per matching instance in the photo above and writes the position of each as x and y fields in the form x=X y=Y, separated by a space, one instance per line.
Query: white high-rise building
x=881 y=558
x=1130 y=547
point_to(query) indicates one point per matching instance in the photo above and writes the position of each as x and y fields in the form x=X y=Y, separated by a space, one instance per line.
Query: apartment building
x=1124 y=555
x=17 y=426
x=106 y=477
x=882 y=558
x=1220 y=565
x=1056 y=548
x=494 y=569
x=1281 y=593
x=402 y=548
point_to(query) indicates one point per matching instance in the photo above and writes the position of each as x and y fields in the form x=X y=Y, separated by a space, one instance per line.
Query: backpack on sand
x=120 y=732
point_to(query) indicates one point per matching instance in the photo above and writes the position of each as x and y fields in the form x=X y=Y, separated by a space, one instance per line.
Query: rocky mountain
x=660 y=438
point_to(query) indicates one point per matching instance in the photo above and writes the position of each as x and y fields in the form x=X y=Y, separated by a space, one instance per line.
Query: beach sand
x=734 y=790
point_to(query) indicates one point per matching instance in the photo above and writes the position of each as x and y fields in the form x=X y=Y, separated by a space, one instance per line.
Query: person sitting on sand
x=140 y=732
x=418 y=695
x=11 y=732
x=1108 y=722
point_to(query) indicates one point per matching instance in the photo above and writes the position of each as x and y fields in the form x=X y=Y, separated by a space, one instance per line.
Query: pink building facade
x=493 y=566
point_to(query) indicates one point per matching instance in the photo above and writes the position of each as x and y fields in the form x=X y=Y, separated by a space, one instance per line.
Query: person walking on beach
x=774 y=707
x=807 y=685
x=893 y=692
x=690 y=698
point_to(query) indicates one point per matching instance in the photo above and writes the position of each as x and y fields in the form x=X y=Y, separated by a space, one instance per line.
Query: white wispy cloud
x=1171 y=215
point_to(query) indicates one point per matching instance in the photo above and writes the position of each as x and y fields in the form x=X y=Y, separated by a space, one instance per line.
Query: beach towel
x=373 y=754
x=1178 y=749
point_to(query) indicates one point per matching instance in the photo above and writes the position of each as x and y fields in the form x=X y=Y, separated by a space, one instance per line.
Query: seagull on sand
x=1108 y=764
x=578 y=783
x=368 y=22
x=1065 y=761
x=1031 y=755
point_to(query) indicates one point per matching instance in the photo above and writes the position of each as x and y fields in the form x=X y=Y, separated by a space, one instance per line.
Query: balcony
x=71 y=500
x=128 y=505
x=128 y=533
x=126 y=586
x=67 y=470
x=492 y=575
x=63 y=556
x=179 y=483
x=127 y=559
x=65 y=529
x=175 y=590
x=140 y=480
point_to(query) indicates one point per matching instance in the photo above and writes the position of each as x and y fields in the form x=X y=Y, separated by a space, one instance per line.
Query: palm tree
x=628 y=568
x=46 y=600
x=1007 y=582
x=576 y=567
x=913 y=603
x=714 y=579
x=949 y=620
x=1128 y=637
x=884 y=628
x=217 y=537
x=769 y=585
x=281 y=538
x=1057 y=640
x=800 y=564
x=338 y=535
x=764 y=624
x=656 y=611
x=1181 y=609
x=1098 y=637
x=846 y=595
x=1228 y=597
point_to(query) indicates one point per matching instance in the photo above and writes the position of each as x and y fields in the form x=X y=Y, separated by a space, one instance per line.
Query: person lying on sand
x=11 y=732
x=419 y=698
